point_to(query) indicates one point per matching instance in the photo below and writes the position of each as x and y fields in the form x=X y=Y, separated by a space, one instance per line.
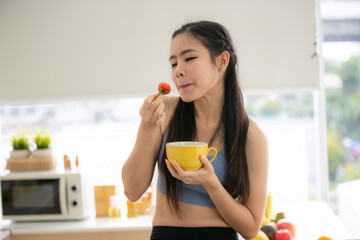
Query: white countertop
x=90 y=224
x=4 y=235
x=312 y=220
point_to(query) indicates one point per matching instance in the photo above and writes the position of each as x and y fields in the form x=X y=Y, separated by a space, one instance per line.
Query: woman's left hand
x=203 y=176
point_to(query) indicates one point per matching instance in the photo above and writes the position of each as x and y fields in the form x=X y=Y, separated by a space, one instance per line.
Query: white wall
x=68 y=49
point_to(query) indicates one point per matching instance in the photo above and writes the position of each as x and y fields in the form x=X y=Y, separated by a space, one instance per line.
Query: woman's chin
x=186 y=99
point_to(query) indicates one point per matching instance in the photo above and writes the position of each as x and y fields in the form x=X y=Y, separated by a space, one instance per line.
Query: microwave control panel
x=75 y=194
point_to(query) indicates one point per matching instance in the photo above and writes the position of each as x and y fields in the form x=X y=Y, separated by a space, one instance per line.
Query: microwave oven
x=42 y=195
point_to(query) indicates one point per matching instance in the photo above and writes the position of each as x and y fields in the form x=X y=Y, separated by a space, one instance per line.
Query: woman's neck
x=208 y=109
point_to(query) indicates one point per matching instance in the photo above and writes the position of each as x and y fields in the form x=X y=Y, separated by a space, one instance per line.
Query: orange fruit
x=324 y=238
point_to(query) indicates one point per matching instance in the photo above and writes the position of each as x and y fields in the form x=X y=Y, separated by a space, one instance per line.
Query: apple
x=270 y=230
x=286 y=224
x=283 y=234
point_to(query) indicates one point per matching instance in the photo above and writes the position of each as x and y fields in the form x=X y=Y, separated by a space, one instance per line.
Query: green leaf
x=42 y=140
x=20 y=142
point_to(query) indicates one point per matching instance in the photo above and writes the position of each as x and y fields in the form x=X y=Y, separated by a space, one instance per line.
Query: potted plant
x=43 y=145
x=20 y=146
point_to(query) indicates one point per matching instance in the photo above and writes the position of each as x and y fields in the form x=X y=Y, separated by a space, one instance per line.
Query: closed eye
x=186 y=59
x=190 y=58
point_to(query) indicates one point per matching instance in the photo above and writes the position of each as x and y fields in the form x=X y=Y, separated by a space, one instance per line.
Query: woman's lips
x=184 y=85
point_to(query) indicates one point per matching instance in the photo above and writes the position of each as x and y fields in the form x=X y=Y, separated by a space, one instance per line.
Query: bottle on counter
x=132 y=209
x=114 y=208
x=141 y=206
x=67 y=163
x=77 y=162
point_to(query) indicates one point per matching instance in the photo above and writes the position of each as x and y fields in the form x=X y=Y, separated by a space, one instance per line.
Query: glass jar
x=114 y=208
x=132 y=209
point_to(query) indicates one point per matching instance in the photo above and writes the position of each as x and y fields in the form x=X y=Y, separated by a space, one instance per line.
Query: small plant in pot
x=43 y=145
x=20 y=146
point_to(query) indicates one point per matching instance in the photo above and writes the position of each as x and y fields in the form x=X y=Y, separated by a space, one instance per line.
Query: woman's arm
x=246 y=218
x=243 y=218
x=138 y=169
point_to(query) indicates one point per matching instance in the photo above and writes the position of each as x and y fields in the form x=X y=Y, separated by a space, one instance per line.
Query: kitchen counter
x=312 y=220
x=4 y=235
x=90 y=224
x=90 y=228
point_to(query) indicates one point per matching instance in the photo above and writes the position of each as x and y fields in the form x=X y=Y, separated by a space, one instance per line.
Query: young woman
x=227 y=195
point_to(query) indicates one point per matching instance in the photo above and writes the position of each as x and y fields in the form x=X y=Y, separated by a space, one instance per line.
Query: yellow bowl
x=188 y=154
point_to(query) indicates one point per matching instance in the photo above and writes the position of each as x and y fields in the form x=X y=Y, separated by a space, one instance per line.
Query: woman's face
x=193 y=71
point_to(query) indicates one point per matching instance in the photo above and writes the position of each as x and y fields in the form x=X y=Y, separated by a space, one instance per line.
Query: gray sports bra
x=194 y=194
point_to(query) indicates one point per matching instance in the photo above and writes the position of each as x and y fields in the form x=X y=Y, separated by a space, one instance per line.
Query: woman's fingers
x=177 y=172
x=154 y=100
x=146 y=103
x=153 y=109
x=171 y=169
x=205 y=161
x=159 y=110
x=200 y=176
x=178 y=169
x=161 y=119
x=157 y=100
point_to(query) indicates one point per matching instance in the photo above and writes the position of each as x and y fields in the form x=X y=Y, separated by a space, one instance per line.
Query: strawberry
x=164 y=88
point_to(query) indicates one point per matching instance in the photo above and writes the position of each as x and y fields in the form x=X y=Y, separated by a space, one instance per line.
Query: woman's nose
x=179 y=72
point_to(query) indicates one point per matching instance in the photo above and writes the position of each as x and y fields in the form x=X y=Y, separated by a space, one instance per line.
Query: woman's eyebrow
x=183 y=53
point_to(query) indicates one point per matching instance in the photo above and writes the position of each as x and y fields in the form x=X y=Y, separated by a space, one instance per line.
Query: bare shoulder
x=170 y=105
x=256 y=143
x=255 y=133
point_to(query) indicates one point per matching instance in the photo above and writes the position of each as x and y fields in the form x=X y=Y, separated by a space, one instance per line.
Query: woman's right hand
x=152 y=110
x=138 y=170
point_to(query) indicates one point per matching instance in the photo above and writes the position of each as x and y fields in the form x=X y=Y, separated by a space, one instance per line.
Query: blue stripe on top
x=194 y=194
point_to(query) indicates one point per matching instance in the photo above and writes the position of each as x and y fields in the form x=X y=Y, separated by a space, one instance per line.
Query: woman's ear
x=222 y=61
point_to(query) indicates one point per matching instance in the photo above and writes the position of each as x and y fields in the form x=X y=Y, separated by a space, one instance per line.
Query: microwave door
x=63 y=196
x=21 y=198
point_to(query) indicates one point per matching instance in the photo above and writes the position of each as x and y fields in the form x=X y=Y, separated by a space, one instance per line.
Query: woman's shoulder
x=170 y=103
x=255 y=134
x=256 y=146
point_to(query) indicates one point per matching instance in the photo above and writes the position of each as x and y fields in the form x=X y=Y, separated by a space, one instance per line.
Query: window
x=102 y=134
x=288 y=119
x=341 y=51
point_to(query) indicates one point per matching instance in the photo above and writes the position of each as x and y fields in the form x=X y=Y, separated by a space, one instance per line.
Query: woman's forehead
x=184 y=41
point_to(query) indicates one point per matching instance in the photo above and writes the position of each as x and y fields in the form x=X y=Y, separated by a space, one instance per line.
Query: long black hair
x=234 y=120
